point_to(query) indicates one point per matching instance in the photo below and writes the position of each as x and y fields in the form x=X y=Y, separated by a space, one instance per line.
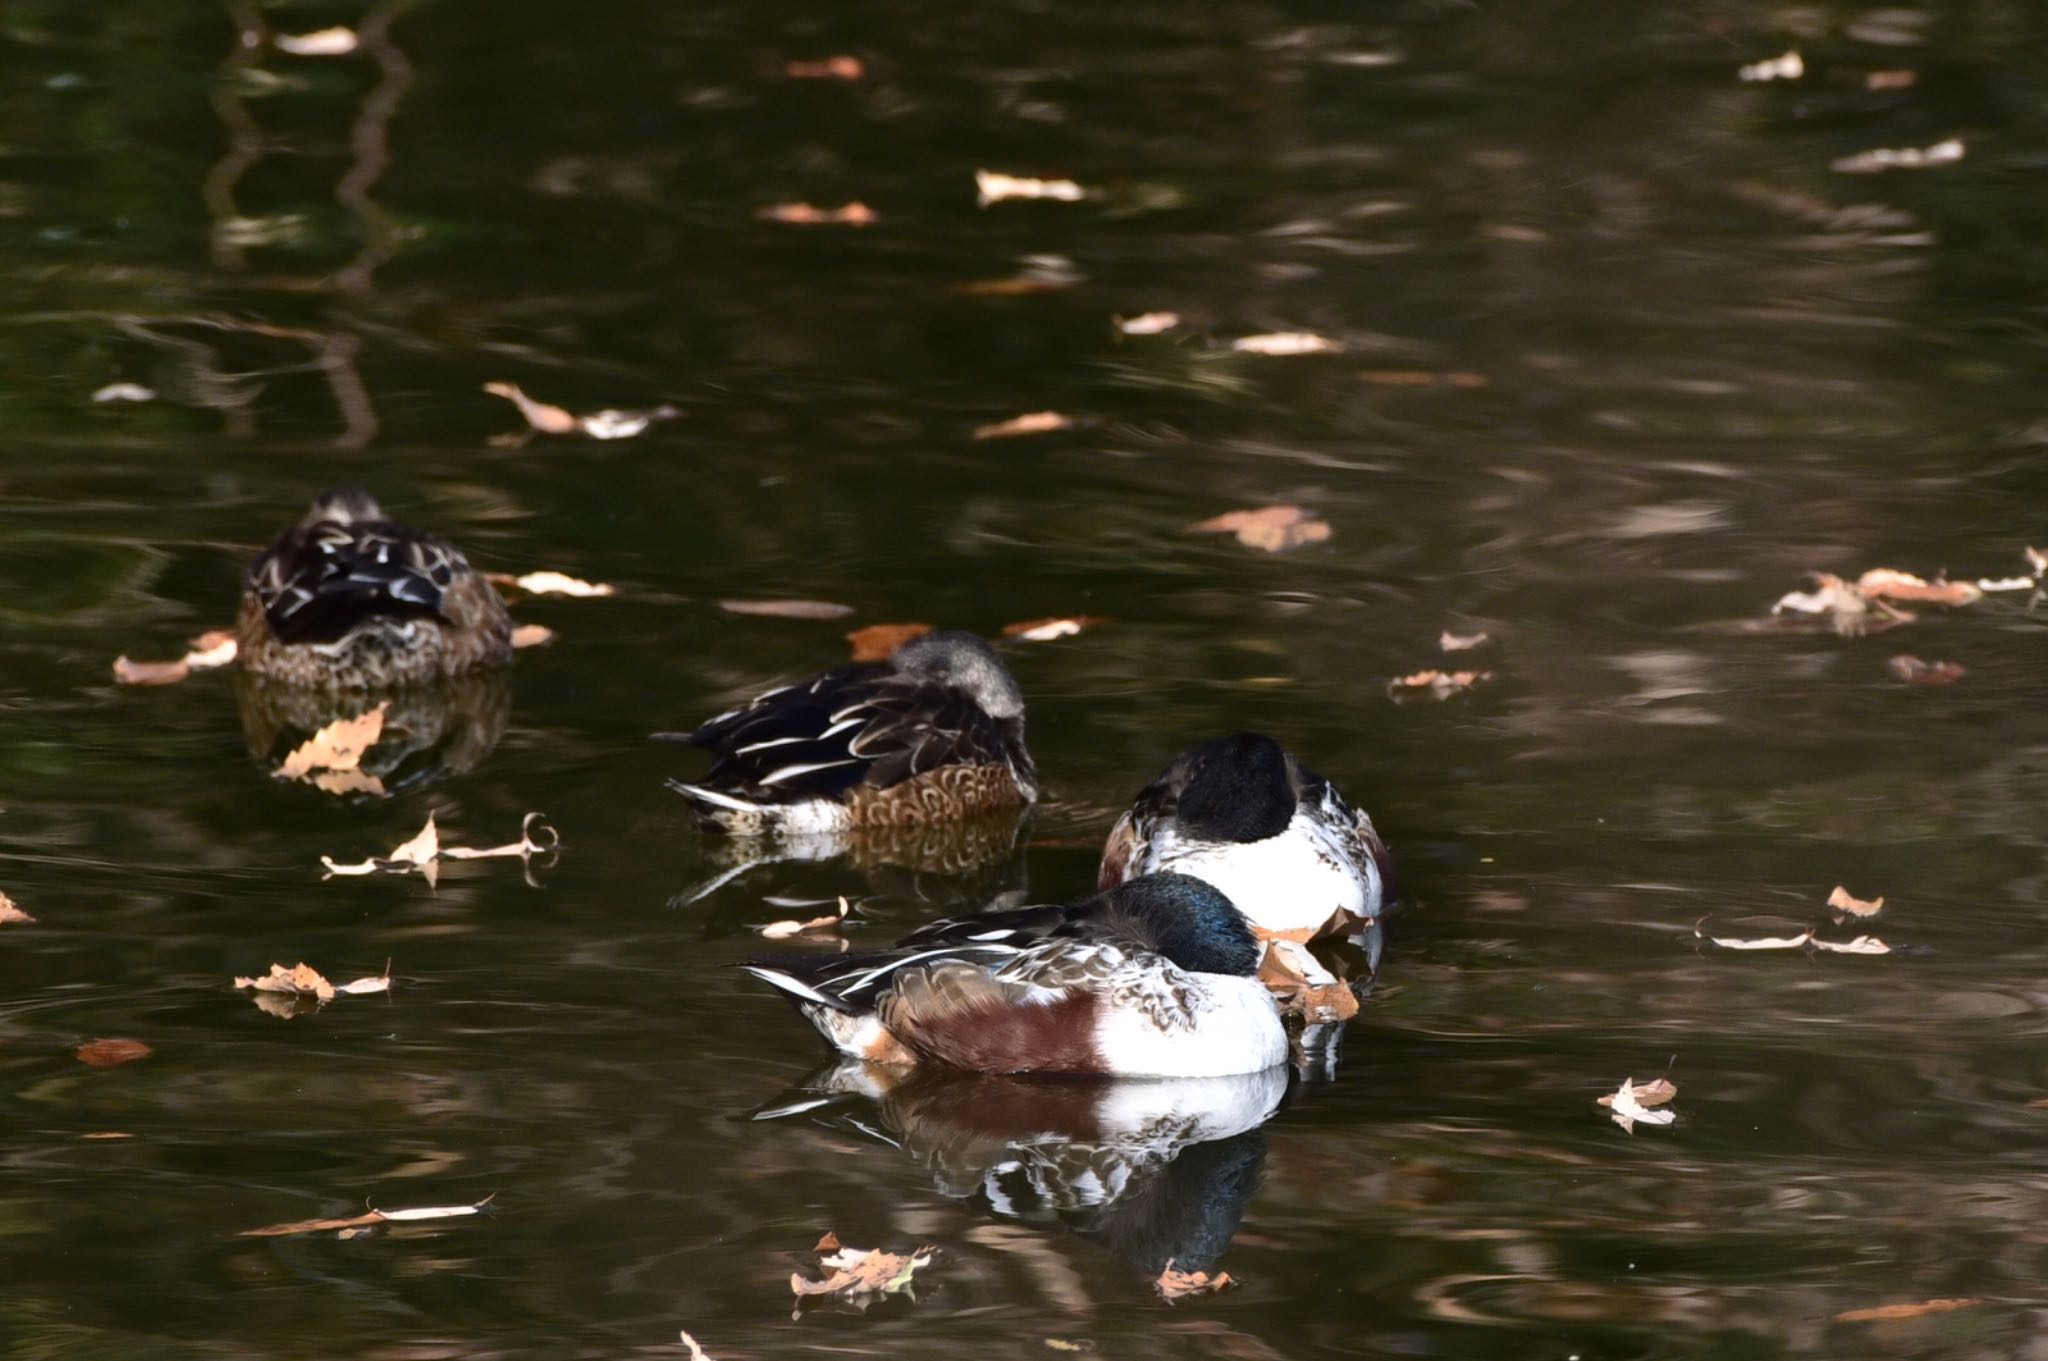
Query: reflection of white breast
x=1292 y=882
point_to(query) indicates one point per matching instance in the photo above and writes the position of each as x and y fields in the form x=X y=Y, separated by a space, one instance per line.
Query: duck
x=1156 y=977
x=933 y=734
x=1242 y=813
x=349 y=599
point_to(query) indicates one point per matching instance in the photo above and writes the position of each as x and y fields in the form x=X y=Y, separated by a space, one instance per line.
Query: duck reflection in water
x=351 y=612
x=1157 y=1170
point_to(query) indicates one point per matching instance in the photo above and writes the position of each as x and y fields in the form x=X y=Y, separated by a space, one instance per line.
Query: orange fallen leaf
x=854 y=214
x=301 y=979
x=1282 y=344
x=370 y=1217
x=339 y=746
x=1302 y=986
x=550 y=420
x=1889 y=80
x=1886 y=1313
x=1888 y=584
x=1176 y=1285
x=788 y=609
x=1439 y=684
x=1460 y=642
x=214 y=648
x=1046 y=630
x=862 y=1275
x=1913 y=671
x=827 y=1242
x=107 y=1134
x=532 y=635
x=1271 y=529
x=782 y=930
x=1032 y=423
x=107 y=1053
x=10 y=913
x=1422 y=378
x=836 y=67
x=1849 y=905
x=877 y=642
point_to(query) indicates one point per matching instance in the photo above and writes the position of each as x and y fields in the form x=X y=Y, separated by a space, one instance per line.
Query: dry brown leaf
x=344 y=782
x=107 y=1053
x=854 y=214
x=370 y=1217
x=877 y=642
x=1890 y=80
x=2037 y=560
x=1032 y=423
x=993 y=186
x=1833 y=596
x=602 y=425
x=326 y=42
x=1913 y=671
x=827 y=1242
x=1148 y=323
x=1655 y=1092
x=340 y=745
x=1282 y=344
x=1439 y=684
x=1861 y=945
x=1046 y=630
x=549 y=582
x=1460 y=642
x=10 y=913
x=1041 y=274
x=861 y=1276
x=1421 y=378
x=532 y=635
x=788 y=609
x=1886 y=1313
x=1270 y=529
x=130 y=672
x=839 y=66
x=1848 y=905
x=536 y=837
x=300 y=980
x=549 y=420
x=1901 y=158
x=1176 y=1285
x=1889 y=584
x=790 y=927
x=1626 y=1107
x=424 y=852
x=107 y=1134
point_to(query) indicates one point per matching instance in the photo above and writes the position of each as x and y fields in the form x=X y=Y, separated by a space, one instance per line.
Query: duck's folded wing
x=967 y=1016
x=856 y=725
x=319 y=581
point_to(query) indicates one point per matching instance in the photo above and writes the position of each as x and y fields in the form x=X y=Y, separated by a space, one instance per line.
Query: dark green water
x=1708 y=363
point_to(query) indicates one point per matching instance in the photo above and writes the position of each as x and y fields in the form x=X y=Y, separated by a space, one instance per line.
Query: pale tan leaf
x=782 y=930
x=1177 y=1285
x=1047 y=630
x=10 y=913
x=1861 y=945
x=993 y=186
x=1655 y=1092
x=532 y=635
x=1833 y=595
x=854 y=214
x=343 y=782
x=1460 y=642
x=1850 y=905
x=301 y=980
x=836 y=67
x=1271 y=529
x=422 y=847
x=124 y=392
x=1422 y=378
x=1438 y=684
x=1032 y=423
x=1901 y=158
x=1788 y=67
x=211 y=649
x=1148 y=323
x=1889 y=584
x=1281 y=344
x=788 y=609
x=340 y=745
x=108 y=1053
x=862 y=1275
x=558 y=583
x=532 y=829
x=1798 y=942
x=130 y=672
x=1914 y=671
x=1890 y=80
x=696 y=1353
x=369 y=1217
x=877 y=642
x=549 y=420
x=1627 y=1109
x=1888 y=1313
x=325 y=42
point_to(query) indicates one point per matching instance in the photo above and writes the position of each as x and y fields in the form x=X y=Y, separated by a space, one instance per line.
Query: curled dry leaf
x=860 y=1276
x=1460 y=642
x=836 y=67
x=1032 y=423
x=791 y=927
x=696 y=1353
x=855 y=214
x=1438 y=684
x=550 y=582
x=1653 y=1093
x=1626 y=1108
x=788 y=609
x=1885 y=583
x=1175 y=1285
x=278 y=991
x=877 y=641
x=109 y=1053
x=1848 y=905
x=1798 y=942
x=1890 y=80
x=1148 y=323
x=993 y=186
x=370 y=1217
x=124 y=392
x=1861 y=945
x=1913 y=671
x=325 y=42
x=1302 y=986
x=1887 y=1313
x=10 y=913
x=1901 y=158
x=532 y=635
x=554 y=420
x=1788 y=67
x=1284 y=344
x=1046 y=630
x=340 y=746
x=211 y=649
x=1270 y=529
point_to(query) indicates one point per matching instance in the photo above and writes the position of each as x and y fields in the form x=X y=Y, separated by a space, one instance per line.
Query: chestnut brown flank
x=1052 y=1037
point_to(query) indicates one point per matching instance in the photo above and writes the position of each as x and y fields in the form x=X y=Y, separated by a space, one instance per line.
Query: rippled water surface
x=1615 y=356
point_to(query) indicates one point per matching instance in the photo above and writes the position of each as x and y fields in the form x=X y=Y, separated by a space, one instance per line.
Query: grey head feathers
x=967 y=664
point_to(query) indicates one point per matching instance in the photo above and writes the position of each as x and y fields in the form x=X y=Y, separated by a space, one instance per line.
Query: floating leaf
x=1302 y=986
x=696 y=1353
x=835 y=67
x=788 y=609
x=1861 y=945
x=1284 y=344
x=993 y=186
x=1655 y=1092
x=1626 y=1108
x=549 y=582
x=325 y=42
x=1041 y=274
x=877 y=642
x=855 y=214
x=1176 y=1285
x=1902 y=158
x=1032 y=423
x=300 y=980
x=532 y=635
x=1848 y=905
x=861 y=1276
x=214 y=648
x=10 y=913
x=1913 y=671
x=1421 y=378
x=1890 y=80
x=1460 y=642
x=124 y=392
x=1890 y=584
x=1270 y=529
x=781 y=930
x=1798 y=942
x=1046 y=630
x=601 y=425
x=1888 y=1313
x=1148 y=323
x=108 y=1053
x=1788 y=67
x=1438 y=684
x=370 y=1217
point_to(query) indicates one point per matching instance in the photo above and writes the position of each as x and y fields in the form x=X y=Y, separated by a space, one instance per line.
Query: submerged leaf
x=108 y=1053
x=1887 y=1313
x=1788 y=67
x=370 y=1217
x=1046 y=630
x=1438 y=684
x=1176 y=1285
x=1913 y=671
x=1902 y=158
x=325 y=42
x=836 y=67
x=1270 y=529
x=854 y=214
x=1148 y=323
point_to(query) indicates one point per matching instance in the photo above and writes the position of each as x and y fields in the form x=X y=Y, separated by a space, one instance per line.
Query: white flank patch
x=1234 y=1029
x=1295 y=881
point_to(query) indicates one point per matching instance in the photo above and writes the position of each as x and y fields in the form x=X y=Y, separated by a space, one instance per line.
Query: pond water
x=1615 y=356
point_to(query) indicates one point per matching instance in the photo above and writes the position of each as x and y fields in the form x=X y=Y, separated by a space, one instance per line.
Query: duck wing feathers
x=320 y=580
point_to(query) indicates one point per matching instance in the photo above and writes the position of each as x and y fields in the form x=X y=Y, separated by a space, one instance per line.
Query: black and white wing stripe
x=320 y=580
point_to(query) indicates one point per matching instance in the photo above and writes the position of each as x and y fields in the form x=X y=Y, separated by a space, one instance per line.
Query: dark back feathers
x=345 y=563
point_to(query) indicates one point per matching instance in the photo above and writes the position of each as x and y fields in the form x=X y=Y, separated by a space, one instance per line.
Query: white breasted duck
x=934 y=733
x=1154 y=978
x=348 y=599
x=1243 y=814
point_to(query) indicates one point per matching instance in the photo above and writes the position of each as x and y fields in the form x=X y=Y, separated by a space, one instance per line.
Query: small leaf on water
x=532 y=635
x=1422 y=378
x=1046 y=630
x=1627 y=1108
x=1033 y=423
x=10 y=913
x=861 y=1276
x=325 y=42
x=1861 y=945
x=788 y=609
x=130 y=672
x=549 y=420
x=1176 y=1285
x=124 y=392
x=993 y=186
x=1788 y=67
x=1148 y=323
x=1437 y=684
x=1890 y=80
x=1270 y=529
x=877 y=642
x=696 y=1352
x=1901 y=158
x=548 y=582
x=1652 y=1093
x=855 y=214
x=1913 y=671
x=1887 y=1313
x=1282 y=344
x=1849 y=905
x=348 y=1222
x=107 y=1053
x=1460 y=642
x=836 y=67
x=1889 y=584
